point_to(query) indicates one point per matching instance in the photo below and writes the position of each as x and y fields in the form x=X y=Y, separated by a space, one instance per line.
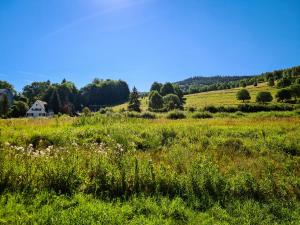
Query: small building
x=38 y=109
x=9 y=95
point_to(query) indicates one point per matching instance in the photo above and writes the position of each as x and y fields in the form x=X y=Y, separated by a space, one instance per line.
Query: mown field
x=216 y=98
x=110 y=169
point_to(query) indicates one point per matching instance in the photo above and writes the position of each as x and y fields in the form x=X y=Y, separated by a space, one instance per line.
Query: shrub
x=263 y=97
x=283 y=95
x=295 y=90
x=155 y=101
x=86 y=111
x=191 y=109
x=148 y=115
x=133 y=115
x=233 y=145
x=202 y=115
x=211 y=108
x=174 y=115
x=105 y=110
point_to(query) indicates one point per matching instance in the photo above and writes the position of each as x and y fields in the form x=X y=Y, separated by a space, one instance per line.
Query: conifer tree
x=134 y=102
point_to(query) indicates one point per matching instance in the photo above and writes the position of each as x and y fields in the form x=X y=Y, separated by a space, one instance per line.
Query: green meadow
x=110 y=169
x=225 y=97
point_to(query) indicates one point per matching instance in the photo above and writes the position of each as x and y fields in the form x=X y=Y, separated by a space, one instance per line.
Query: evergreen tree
x=134 y=102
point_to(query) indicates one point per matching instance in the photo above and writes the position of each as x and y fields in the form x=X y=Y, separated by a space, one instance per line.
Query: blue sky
x=141 y=41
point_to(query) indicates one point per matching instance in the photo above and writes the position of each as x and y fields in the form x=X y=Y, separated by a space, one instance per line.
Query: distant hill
x=208 y=80
x=198 y=84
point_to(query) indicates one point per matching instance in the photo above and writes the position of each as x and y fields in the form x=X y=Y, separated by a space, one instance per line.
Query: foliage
x=18 y=109
x=167 y=89
x=283 y=95
x=155 y=101
x=243 y=95
x=4 y=106
x=284 y=82
x=156 y=87
x=263 y=97
x=104 y=93
x=86 y=111
x=174 y=115
x=295 y=90
x=36 y=91
x=171 y=102
x=271 y=82
x=202 y=115
x=134 y=102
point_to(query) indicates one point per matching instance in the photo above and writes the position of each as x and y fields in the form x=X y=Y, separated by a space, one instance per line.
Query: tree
x=243 y=95
x=18 y=109
x=284 y=82
x=255 y=83
x=263 y=97
x=102 y=93
x=243 y=84
x=36 y=91
x=4 y=106
x=156 y=87
x=134 y=102
x=172 y=101
x=271 y=82
x=178 y=92
x=283 y=95
x=6 y=85
x=155 y=101
x=295 y=90
x=297 y=81
x=166 y=89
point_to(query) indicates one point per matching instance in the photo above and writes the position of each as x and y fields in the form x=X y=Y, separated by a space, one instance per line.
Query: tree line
x=65 y=97
x=286 y=92
x=204 y=84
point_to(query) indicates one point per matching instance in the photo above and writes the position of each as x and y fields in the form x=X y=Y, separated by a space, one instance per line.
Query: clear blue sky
x=141 y=41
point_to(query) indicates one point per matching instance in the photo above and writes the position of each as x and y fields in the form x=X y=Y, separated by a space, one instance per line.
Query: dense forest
x=199 y=84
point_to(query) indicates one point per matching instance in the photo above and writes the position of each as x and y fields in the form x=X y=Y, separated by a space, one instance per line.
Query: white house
x=38 y=109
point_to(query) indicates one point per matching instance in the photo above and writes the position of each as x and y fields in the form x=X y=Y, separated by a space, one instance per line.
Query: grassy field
x=118 y=170
x=216 y=98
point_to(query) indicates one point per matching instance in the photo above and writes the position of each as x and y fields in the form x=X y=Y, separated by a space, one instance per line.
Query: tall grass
x=235 y=170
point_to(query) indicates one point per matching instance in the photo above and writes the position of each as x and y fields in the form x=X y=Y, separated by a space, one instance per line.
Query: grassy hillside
x=223 y=97
x=118 y=170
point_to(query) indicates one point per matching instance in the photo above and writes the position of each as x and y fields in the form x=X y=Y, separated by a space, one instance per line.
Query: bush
x=86 y=111
x=148 y=115
x=174 y=115
x=105 y=110
x=283 y=95
x=155 y=101
x=263 y=97
x=202 y=115
x=133 y=115
x=191 y=109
